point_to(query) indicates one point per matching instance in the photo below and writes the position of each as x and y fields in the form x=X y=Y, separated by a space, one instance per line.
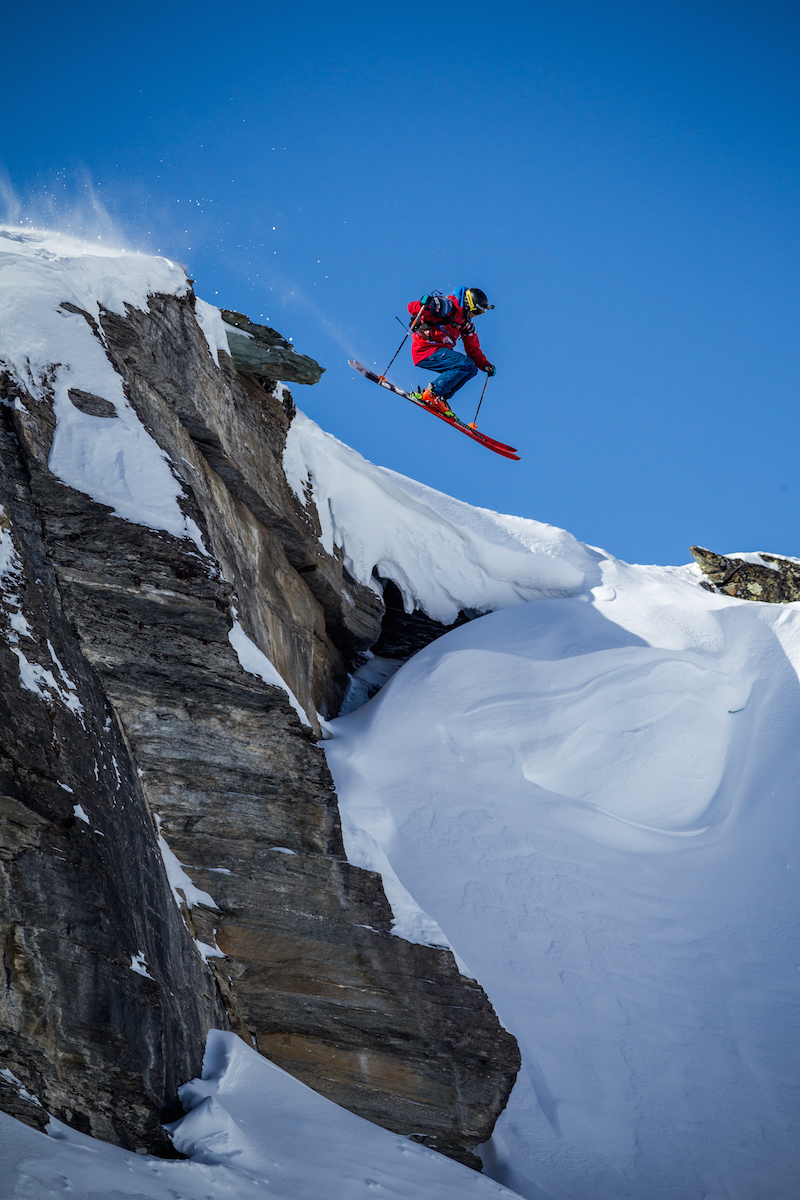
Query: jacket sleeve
x=472 y=346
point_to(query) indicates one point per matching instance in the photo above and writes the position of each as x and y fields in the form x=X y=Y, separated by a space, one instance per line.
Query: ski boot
x=429 y=397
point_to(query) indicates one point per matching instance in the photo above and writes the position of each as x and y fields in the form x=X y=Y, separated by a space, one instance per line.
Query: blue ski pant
x=454 y=371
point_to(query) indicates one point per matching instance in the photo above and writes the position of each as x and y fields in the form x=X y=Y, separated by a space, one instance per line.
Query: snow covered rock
x=770 y=578
x=95 y=1043
x=252 y=1132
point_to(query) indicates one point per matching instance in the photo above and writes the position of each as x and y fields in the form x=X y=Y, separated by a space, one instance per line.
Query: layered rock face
x=304 y=964
x=84 y=892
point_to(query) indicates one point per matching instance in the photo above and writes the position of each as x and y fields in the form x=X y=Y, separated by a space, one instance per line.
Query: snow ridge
x=442 y=554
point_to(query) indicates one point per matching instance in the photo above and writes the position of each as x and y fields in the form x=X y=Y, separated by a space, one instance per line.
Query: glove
x=490 y=370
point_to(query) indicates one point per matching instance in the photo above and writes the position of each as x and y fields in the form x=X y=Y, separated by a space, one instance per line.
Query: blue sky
x=621 y=179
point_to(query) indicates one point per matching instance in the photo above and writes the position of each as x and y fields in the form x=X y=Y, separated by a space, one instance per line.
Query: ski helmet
x=476 y=302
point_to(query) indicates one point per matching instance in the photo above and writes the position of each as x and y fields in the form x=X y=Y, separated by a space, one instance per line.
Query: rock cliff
x=129 y=723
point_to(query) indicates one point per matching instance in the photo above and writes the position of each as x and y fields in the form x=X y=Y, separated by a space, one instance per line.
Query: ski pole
x=411 y=329
x=474 y=424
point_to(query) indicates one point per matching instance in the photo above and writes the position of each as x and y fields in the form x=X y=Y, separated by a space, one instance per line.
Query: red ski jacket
x=433 y=334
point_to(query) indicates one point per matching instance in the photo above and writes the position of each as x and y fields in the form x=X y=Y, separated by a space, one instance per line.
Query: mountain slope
x=589 y=793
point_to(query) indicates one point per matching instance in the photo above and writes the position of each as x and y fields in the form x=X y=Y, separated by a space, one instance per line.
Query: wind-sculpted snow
x=596 y=798
x=443 y=555
x=50 y=350
x=252 y=1133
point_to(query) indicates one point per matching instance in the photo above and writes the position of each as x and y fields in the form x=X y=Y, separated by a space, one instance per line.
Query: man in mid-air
x=439 y=321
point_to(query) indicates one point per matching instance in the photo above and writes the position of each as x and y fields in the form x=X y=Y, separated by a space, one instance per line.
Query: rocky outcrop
x=304 y=964
x=774 y=580
x=262 y=351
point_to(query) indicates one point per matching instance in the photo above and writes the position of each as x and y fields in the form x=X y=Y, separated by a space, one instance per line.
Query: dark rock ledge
x=266 y=354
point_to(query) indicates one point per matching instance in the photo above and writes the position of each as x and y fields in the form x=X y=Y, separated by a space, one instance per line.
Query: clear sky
x=620 y=178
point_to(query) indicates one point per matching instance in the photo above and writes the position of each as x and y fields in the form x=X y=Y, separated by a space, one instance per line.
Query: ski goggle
x=474 y=305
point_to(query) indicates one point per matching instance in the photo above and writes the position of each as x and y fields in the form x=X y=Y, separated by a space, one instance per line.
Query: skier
x=439 y=321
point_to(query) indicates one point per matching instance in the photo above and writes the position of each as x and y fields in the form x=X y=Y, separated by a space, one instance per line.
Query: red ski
x=481 y=438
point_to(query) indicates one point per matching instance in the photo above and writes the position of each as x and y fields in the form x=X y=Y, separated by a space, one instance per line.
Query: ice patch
x=758 y=561
x=10 y=580
x=39 y=680
x=9 y=1076
x=206 y=952
x=214 y=328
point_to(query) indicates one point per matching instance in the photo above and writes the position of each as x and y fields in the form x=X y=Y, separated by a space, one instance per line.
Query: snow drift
x=597 y=800
x=443 y=555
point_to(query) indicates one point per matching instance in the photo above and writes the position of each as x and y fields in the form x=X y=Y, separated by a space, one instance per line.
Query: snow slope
x=596 y=797
x=252 y=1133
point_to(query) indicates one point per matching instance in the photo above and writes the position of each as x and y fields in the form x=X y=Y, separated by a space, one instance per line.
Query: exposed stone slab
x=314 y=978
x=92 y=405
